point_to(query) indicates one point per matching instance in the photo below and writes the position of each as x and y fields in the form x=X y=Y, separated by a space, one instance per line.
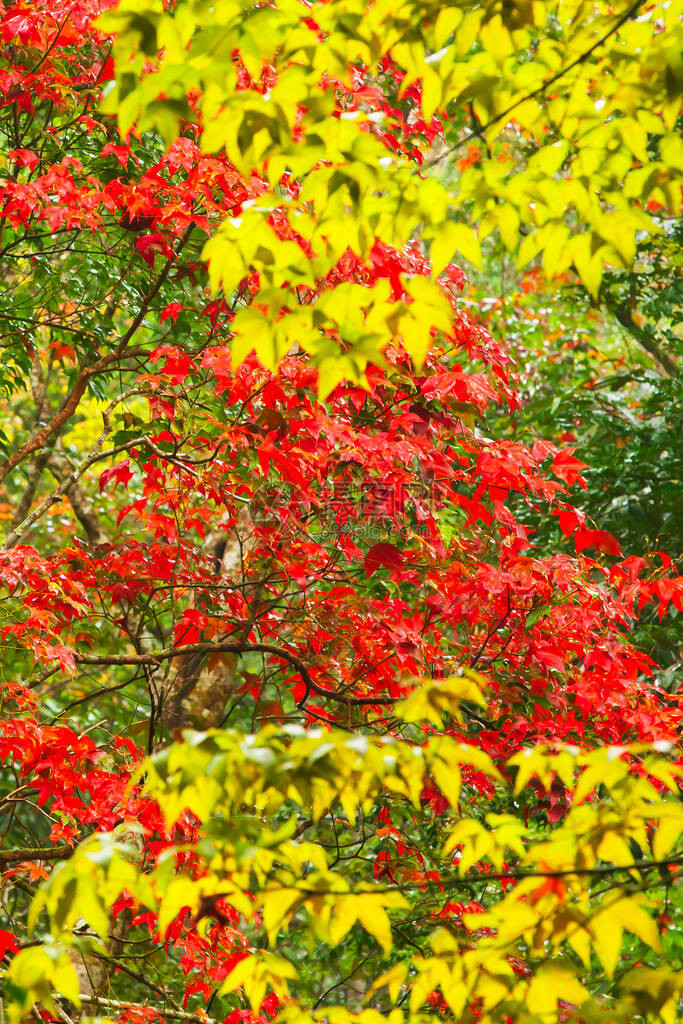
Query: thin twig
x=479 y=133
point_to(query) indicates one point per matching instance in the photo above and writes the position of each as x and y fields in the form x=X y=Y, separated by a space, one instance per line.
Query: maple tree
x=304 y=716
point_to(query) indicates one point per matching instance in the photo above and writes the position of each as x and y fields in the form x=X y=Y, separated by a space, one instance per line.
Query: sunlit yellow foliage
x=555 y=913
x=572 y=107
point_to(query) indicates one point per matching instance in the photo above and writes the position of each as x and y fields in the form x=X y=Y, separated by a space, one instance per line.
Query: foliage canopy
x=573 y=108
x=319 y=702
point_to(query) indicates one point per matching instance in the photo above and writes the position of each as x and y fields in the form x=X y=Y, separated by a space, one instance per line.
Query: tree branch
x=71 y=402
x=91 y=999
x=232 y=647
x=117 y=1004
x=68 y=483
x=32 y=854
x=625 y=317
